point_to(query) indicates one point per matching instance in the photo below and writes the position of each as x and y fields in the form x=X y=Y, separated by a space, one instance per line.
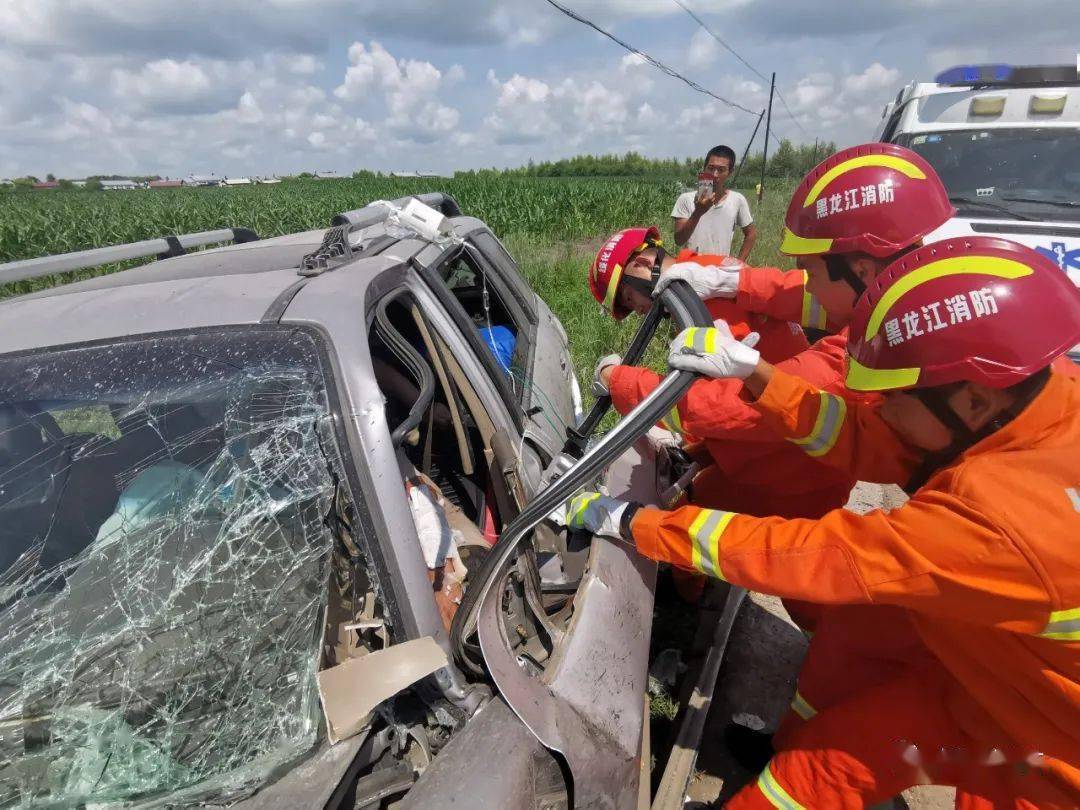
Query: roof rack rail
x=373 y=213
x=164 y=247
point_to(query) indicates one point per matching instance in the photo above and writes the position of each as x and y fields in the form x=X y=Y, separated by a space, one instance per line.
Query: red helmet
x=973 y=308
x=877 y=198
x=607 y=268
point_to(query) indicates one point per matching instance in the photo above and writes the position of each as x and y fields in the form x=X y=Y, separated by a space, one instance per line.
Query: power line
x=654 y=62
x=735 y=53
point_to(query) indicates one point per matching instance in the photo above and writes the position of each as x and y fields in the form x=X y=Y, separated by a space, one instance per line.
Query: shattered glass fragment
x=164 y=553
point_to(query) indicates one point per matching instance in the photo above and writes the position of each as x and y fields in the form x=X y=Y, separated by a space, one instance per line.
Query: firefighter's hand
x=707 y=281
x=714 y=352
x=600 y=379
x=597 y=514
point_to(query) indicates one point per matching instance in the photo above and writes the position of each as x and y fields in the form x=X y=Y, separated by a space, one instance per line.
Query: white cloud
x=455 y=74
x=410 y=87
x=260 y=86
x=703 y=49
x=163 y=80
x=302 y=64
x=248 y=110
x=874 y=78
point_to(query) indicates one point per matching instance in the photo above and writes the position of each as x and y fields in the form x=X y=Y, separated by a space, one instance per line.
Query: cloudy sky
x=279 y=86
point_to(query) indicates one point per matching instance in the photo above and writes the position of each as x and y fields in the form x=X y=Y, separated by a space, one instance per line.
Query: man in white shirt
x=706 y=222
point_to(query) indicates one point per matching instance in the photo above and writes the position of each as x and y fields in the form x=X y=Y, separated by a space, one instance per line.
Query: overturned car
x=272 y=521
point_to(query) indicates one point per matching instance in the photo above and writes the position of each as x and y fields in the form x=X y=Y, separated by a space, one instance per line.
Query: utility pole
x=768 y=124
x=746 y=151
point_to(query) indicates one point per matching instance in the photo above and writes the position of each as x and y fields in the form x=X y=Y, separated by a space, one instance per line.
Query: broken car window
x=164 y=561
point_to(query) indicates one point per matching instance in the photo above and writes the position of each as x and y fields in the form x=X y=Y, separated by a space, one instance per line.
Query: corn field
x=38 y=223
x=552 y=226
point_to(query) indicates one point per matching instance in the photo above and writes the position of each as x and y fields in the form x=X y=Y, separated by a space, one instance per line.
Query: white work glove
x=597 y=514
x=706 y=280
x=598 y=388
x=714 y=352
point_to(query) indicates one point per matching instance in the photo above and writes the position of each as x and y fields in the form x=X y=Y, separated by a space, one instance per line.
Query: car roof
x=240 y=284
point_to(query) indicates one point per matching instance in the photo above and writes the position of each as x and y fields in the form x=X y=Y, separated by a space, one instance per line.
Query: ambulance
x=1006 y=142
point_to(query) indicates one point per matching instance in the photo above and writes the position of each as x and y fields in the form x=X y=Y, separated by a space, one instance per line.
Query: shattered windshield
x=165 y=560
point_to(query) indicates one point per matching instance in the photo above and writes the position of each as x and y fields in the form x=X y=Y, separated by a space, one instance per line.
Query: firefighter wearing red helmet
x=908 y=200
x=608 y=280
x=961 y=338
x=759 y=477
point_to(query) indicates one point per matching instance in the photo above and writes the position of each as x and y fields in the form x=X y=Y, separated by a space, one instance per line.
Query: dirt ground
x=758 y=678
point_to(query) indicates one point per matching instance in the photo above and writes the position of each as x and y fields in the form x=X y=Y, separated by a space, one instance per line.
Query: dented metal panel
x=494 y=762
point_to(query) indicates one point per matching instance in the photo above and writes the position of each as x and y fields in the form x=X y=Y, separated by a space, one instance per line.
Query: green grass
x=556 y=268
x=552 y=226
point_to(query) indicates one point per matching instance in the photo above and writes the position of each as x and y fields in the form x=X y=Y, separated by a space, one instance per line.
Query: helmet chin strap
x=646 y=286
x=936 y=400
x=839 y=270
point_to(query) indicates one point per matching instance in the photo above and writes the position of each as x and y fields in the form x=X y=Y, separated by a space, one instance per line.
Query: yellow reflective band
x=705 y=534
x=832 y=410
x=672 y=421
x=1064 y=625
x=801 y=707
x=578 y=506
x=612 y=288
x=861 y=378
x=905 y=167
x=701 y=339
x=772 y=790
x=794 y=245
x=954 y=266
x=813 y=315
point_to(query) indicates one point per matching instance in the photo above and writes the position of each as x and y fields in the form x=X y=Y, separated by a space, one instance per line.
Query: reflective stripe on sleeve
x=801 y=707
x=673 y=421
x=813 y=314
x=832 y=411
x=705 y=534
x=772 y=790
x=1064 y=625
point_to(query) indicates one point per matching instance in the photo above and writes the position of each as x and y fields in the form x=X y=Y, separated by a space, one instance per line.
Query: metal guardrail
x=163 y=247
x=168 y=246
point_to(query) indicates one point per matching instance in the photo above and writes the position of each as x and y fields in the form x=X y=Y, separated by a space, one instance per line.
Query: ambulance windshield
x=1016 y=173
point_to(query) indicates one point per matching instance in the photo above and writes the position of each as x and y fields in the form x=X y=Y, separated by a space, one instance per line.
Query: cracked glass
x=165 y=556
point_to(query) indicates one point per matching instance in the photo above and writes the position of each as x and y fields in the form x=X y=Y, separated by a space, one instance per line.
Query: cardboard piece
x=351 y=690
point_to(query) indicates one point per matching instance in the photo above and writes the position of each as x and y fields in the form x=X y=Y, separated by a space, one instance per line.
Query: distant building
x=166 y=183
x=201 y=180
x=416 y=174
x=119 y=185
x=329 y=176
x=46 y=186
x=236 y=181
x=268 y=180
x=79 y=183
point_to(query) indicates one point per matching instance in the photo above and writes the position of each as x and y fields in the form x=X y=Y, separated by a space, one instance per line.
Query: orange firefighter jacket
x=715 y=408
x=758 y=470
x=845 y=433
x=984 y=557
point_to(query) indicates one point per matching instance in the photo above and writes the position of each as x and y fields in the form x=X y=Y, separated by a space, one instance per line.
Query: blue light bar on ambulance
x=1003 y=75
x=974 y=74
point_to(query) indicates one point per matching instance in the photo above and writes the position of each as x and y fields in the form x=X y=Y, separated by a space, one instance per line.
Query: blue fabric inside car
x=502 y=343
